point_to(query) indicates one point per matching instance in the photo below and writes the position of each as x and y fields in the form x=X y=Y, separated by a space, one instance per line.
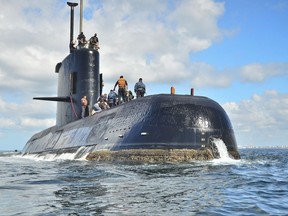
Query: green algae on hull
x=151 y=155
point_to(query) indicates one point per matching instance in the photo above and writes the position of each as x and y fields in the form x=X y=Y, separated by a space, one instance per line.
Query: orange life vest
x=121 y=83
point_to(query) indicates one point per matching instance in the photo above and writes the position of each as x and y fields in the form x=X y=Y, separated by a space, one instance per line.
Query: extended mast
x=72 y=5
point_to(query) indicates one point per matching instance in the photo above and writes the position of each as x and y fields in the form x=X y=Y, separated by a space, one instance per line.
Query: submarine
x=160 y=127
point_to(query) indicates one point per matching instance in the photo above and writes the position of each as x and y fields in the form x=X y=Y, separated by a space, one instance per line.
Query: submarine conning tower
x=78 y=75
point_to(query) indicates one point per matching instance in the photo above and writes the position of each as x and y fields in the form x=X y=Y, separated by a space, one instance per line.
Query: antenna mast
x=72 y=5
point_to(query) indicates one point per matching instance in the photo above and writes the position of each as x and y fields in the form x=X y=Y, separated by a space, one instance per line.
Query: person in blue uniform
x=112 y=98
x=140 y=88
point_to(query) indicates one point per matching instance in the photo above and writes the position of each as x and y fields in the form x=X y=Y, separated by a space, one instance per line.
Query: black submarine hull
x=161 y=121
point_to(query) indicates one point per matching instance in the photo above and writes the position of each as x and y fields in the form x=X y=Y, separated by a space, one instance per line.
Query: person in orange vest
x=122 y=86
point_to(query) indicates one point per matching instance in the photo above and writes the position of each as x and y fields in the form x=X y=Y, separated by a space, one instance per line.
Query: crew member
x=140 y=88
x=103 y=102
x=112 y=96
x=96 y=108
x=130 y=95
x=81 y=40
x=122 y=86
x=94 y=42
x=85 y=109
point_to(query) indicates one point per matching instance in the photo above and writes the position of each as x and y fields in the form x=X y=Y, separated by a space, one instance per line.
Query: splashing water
x=222 y=150
x=53 y=157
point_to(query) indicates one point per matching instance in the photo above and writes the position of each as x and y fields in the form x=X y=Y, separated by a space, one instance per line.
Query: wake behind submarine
x=162 y=127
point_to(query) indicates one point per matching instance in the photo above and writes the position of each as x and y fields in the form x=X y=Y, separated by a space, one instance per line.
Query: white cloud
x=263 y=115
x=32 y=122
x=198 y=19
x=7 y=123
x=203 y=75
x=157 y=32
x=29 y=114
x=259 y=72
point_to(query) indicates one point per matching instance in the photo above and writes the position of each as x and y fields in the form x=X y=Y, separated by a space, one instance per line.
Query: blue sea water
x=255 y=185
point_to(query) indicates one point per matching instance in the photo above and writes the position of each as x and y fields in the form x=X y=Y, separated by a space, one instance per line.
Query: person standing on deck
x=140 y=88
x=112 y=96
x=85 y=109
x=94 y=42
x=122 y=86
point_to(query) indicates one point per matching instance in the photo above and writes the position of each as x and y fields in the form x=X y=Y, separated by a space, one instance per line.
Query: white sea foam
x=223 y=153
x=53 y=157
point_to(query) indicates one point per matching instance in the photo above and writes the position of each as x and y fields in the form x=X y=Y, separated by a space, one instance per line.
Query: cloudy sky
x=232 y=51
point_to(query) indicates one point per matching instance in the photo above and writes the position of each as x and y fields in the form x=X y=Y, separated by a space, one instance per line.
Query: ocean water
x=255 y=185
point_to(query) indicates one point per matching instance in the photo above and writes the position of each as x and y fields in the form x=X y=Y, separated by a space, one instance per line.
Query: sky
x=232 y=51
